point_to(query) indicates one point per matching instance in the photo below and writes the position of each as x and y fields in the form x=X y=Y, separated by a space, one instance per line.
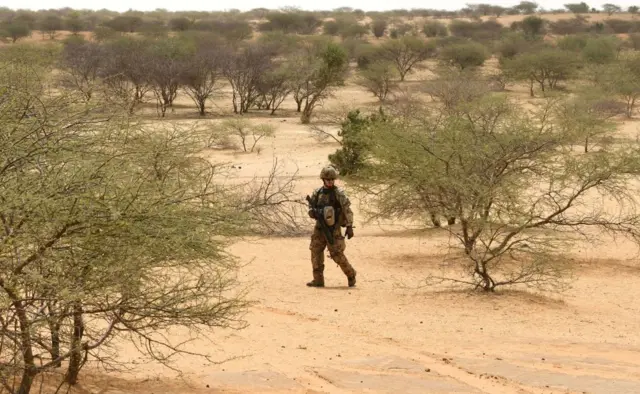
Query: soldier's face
x=328 y=182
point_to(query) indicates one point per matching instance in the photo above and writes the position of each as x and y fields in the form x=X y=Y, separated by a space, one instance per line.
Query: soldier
x=327 y=204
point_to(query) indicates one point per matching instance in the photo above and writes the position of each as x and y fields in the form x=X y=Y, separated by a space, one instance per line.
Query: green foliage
x=601 y=50
x=331 y=28
x=105 y=33
x=464 y=56
x=504 y=173
x=573 y=43
x=575 y=25
x=179 y=24
x=51 y=24
x=406 y=53
x=578 y=8
x=14 y=30
x=378 y=78
x=112 y=230
x=589 y=114
x=633 y=41
x=479 y=31
x=622 y=79
x=378 y=27
x=546 y=66
x=533 y=27
x=511 y=45
x=291 y=22
x=435 y=29
x=248 y=133
x=355 y=30
x=125 y=23
x=323 y=67
x=351 y=157
x=611 y=8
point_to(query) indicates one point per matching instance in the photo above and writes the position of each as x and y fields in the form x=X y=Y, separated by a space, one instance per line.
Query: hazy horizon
x=245 y=5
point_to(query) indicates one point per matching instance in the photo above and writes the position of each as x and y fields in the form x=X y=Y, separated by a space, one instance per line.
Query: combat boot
x=352 y=279
x=315 y=283
x=318 y=279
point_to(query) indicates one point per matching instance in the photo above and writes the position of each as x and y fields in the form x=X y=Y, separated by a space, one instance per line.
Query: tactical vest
x=327 y=198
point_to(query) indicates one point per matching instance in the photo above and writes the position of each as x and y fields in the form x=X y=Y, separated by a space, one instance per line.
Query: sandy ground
x=389 y=333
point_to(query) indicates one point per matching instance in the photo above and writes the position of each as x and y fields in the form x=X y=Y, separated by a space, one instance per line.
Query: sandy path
x=382 y=337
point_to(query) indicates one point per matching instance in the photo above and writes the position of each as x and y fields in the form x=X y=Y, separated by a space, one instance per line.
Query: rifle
x=328 y=233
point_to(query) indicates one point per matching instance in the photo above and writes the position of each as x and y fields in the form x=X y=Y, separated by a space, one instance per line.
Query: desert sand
x=390 y=333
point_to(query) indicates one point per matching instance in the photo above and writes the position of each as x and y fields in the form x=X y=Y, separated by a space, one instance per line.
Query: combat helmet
x=329 y=173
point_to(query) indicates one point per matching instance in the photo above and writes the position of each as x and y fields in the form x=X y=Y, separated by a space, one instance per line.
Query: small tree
x=454 y=89
x=243 y=67
x=378 y=27
x=526 y=7
x=275 y=86
x=50 y=25
x=601 y=50
x=180 y=24
x=406 y=52
x=611 y=8
x=578 y=8
x=435 y=29
x=533 y=27
x=506 y=175
x=248 y=133
x=201 y=75
x=378 y=78
x=81 y=63
x=546 y=67
x=464 y=56
x=168 y=62
x=589 y=114
x=321 y=68
x=124 y=72
x=74 y=24
x=331 y=28
x=14 y=31
x=623 y=80
x=352 y=154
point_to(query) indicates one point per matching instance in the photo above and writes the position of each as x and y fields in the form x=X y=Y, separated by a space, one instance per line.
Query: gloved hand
x=349 y=232
x=312 y=214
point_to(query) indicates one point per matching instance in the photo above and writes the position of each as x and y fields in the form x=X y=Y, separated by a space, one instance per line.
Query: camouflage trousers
x=336 y=251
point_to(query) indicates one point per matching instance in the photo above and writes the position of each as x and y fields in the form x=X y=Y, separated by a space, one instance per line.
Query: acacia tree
x=51 y=24
x=321 y=67
x=243 y=68
x=590 y=112
x=201 y=75
x=505 y=174
x=81 y=63
x=406 y=52
x=378 y=78
x=465 y=55
x=274 y=87
x=109 y=231
x=168 y=59
x=248 y=133
x=125 y=72
x=621 y=79
x=546 y=67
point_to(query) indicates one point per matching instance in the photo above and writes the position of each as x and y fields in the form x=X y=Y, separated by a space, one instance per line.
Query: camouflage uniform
x=331 y=196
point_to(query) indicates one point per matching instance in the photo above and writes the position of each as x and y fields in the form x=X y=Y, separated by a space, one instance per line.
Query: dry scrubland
x=394 y=332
